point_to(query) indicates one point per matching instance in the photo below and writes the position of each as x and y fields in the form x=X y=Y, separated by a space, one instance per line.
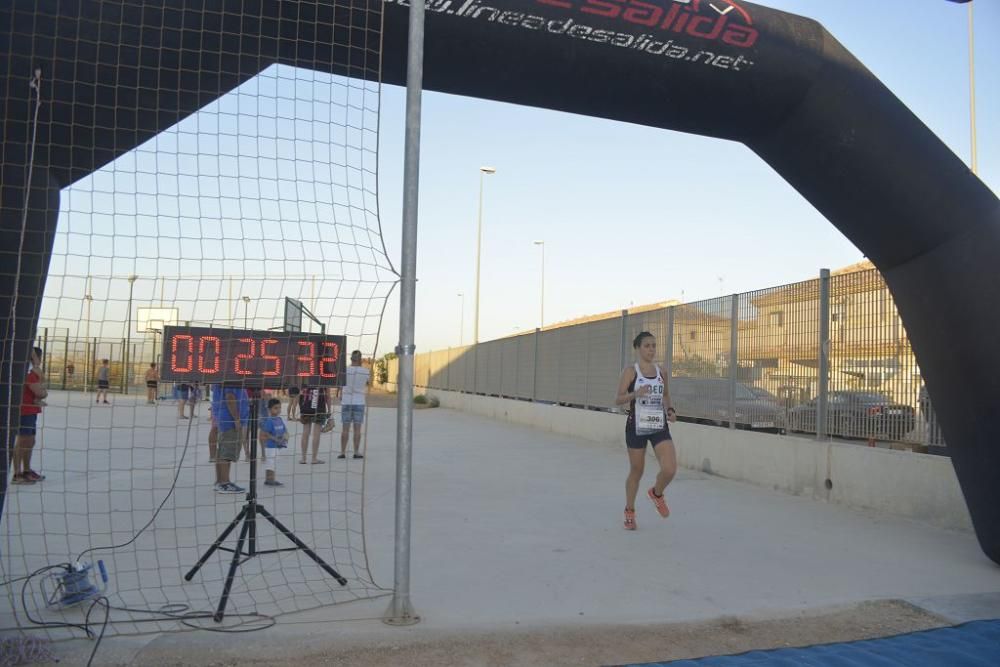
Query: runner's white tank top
x=655 y=396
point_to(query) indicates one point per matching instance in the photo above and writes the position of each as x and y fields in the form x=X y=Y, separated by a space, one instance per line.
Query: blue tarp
x=975 y=644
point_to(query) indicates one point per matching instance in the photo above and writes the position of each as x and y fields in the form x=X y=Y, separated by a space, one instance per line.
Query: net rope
x=267 y=193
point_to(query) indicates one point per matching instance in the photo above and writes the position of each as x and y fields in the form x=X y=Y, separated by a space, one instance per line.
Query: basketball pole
x=400 y=611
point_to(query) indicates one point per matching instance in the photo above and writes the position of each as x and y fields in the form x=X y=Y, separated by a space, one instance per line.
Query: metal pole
x=542 y=316
x=66 y=360
x=734 y=341
x=483 y=171
x=668 y=360
x=461 y=321
x=824 y=354
x=128 y=334
x=543 y=285
x=400 y=611
x=479 y=247
x=624 y=340
x=534 y=379
x=972 y=91
x=89 y=298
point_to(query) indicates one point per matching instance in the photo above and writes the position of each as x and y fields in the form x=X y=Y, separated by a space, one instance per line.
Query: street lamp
x=972 y=91
x=128 y=333
x=542 y=318
x=483 y=171
x=461 y=321
x=88 y=298
x=246 y=311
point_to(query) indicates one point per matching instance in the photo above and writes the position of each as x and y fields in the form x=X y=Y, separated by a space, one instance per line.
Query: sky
x=242 y=190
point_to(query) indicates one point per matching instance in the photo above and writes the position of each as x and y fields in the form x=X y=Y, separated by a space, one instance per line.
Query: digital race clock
x=266 y=359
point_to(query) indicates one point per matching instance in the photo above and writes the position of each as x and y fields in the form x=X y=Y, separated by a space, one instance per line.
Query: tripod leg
x=301 y=545
x=215 y=545
x=235 y=563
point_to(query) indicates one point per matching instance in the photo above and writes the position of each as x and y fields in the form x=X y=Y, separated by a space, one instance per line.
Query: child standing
x=273 y=436
x=103 y=381
x=152 y=380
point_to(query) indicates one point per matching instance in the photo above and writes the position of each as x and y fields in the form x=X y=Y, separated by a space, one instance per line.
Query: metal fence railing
x=71 y=362
x=754 y=360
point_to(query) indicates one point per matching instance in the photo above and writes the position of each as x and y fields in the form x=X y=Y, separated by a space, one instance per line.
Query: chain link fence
x=71 y=362
x=827 y=357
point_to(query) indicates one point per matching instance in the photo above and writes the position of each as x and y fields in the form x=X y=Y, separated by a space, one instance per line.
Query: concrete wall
x=918 y=486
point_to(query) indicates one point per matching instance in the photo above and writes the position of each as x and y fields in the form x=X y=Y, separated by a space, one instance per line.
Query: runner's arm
x=668 y=404
x=625 y=396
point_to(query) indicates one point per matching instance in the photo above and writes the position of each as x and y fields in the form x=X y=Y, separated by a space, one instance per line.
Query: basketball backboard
x=152 y=320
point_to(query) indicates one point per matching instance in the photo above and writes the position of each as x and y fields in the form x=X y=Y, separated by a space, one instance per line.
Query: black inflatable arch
x=116 y=73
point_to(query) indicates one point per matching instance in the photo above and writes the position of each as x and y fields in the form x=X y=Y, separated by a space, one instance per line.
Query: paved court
x=516 y=530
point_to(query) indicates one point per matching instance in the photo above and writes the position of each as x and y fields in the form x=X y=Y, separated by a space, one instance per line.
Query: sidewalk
x=517 y=530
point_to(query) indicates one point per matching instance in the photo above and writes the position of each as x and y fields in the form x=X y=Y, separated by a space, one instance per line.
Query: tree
x=382 y=368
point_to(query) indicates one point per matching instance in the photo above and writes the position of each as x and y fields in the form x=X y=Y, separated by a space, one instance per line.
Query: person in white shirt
x=352 y=403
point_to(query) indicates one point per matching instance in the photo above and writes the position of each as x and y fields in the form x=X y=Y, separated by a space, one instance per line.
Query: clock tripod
x=248 y=532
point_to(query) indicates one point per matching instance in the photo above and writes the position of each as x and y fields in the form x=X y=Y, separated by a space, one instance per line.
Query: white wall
x=918 y=486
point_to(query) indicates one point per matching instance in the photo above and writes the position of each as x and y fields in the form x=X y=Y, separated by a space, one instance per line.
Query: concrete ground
x=519 y=558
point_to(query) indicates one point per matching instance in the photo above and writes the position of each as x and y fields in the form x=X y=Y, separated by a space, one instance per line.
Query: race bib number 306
x=649 y=419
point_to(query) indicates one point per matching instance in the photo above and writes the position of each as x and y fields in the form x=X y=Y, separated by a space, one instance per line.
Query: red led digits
x=202 y=344
x=276 y=370
x=266 y=358
x=333 y=355
x=237 y=361
x=309 y=358
x=189 y=341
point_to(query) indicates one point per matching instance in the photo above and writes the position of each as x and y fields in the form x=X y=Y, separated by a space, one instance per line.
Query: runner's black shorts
x=635 y=441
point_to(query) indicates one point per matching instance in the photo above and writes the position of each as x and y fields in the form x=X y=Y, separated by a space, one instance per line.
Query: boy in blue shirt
x=273 y=436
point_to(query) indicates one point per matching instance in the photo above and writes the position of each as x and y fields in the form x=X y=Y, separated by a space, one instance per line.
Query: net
x=265 y=194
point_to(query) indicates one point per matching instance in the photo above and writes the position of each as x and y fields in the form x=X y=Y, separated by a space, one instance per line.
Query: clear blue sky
x=177 y=196
x=758 y=234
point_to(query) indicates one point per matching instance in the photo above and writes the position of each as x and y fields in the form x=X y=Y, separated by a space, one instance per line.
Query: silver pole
x=483 y=171
x=668 y=355
x=128 y=335
x=734 y=342
x=625 y=342
x=400 y=611
x=461 y=320
x=479 y=248
x=824 y=354
x=972 y=91
x=88 y=297
x=542 y=325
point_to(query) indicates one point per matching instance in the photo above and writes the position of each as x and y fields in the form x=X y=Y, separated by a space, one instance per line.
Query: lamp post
x=128 y=333
x=461 y=320
x=483 y=171
x=542 y=316
x=246 y=311
x=88 y=299
x=972 y=91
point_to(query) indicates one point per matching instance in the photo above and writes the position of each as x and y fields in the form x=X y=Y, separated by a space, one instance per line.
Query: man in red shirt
x=31 y=407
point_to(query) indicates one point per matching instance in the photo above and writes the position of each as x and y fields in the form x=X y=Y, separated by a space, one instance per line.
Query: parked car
x=706 y=400
x=856 y=414
x=760 y=392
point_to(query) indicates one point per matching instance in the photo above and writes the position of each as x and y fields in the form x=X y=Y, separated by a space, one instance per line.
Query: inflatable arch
x=120 y=72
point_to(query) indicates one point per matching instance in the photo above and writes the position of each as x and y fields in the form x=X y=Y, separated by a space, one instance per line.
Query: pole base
x=400 y=612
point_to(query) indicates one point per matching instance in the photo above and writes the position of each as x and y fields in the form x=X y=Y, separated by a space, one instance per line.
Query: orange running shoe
x=630 y=520
x=659 y=502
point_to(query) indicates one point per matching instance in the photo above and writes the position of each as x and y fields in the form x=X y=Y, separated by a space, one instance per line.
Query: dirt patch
x=593 y=645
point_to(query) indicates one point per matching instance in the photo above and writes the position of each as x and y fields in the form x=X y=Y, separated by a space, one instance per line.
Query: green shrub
x=420 y=399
